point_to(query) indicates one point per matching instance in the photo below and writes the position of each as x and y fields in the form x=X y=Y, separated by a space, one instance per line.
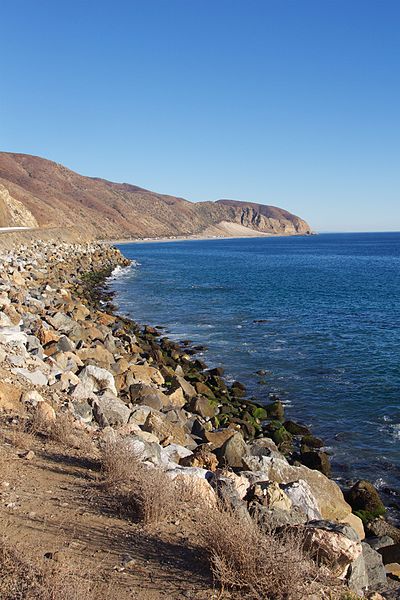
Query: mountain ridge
x=43 y=193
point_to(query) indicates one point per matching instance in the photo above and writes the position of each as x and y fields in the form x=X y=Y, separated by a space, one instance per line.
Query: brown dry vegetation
x=245 y=561
x=25 y=579
x=144 y=493
x=258 y=563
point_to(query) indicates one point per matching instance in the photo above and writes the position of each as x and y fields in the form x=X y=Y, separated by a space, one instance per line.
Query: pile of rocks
x=63 y=347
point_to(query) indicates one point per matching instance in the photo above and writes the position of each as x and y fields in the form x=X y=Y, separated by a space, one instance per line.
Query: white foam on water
x=119 y=271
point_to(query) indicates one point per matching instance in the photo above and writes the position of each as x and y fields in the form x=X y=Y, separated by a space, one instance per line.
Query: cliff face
x=38 y=192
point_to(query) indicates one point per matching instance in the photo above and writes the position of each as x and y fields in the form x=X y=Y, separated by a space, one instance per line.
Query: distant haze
x=291 y=104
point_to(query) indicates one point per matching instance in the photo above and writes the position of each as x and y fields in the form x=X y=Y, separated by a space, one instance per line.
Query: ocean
x=319 y=314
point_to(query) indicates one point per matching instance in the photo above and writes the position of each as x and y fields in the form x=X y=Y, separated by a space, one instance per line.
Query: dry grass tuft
x=15 y=432
x=258 y=564
x=25 y=579
x=62 y=431
x=144 y=492
x=118 y=462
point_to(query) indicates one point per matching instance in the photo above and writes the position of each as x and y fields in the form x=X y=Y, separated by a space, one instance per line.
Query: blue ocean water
x=320 y=314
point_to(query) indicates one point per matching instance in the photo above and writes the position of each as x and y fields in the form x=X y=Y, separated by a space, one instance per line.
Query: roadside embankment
x=153 y=413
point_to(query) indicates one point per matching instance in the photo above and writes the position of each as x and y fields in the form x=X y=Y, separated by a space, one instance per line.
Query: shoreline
x=389 y=495
x=61 y=336
x=195 y=238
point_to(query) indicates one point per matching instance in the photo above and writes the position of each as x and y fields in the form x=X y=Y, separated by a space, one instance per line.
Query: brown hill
x=38 y=192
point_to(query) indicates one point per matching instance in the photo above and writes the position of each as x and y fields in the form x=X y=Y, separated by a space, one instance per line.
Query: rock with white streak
x=96 y=379
x=301 y=496
x=35 y=377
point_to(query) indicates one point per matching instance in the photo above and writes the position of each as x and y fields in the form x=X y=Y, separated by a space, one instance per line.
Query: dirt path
x=54 y=503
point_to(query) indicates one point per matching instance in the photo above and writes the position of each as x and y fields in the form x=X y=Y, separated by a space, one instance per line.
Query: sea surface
x=320 y=314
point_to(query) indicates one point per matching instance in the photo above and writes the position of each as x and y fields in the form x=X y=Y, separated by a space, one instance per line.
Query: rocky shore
x=64 y=349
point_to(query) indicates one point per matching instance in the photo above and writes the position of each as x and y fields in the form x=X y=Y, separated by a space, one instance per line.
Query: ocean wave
x=119 y=271
x=395 y=431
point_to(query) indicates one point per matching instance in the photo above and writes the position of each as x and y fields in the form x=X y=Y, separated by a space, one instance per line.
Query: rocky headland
x=39 y=193
x=67 y=356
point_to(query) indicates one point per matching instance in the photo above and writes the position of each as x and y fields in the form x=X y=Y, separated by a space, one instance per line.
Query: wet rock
x=310 y=441
x=317 y=460
x=216 y=372
x=296 y=428
x=238 y=389
x=275 y=410
x=282 y=439
x=364 y=497
x=203 y=390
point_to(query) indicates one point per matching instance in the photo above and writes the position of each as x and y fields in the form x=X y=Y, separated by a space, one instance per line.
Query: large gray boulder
x=374 y=567
x=231 y=453
x=109 y=410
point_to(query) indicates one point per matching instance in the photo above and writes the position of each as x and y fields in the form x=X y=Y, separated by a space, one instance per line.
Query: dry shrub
x=62 y=430
x=15 y=432
x=117 y=462
x=260 y=565
x=25 y=579
x=143 y=492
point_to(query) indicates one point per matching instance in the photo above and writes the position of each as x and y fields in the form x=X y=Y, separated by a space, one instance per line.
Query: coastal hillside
x=35 y=192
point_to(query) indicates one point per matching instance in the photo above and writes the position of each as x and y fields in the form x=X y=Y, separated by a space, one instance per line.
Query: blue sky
x=294 y=103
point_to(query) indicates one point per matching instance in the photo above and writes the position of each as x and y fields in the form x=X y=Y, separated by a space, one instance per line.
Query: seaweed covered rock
x=365 y=500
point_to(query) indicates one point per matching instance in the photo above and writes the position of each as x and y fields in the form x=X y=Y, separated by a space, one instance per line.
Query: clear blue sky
x=288 y=102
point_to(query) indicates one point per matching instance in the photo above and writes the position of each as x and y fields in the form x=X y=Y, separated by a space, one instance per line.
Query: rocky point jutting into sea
x=64 y=350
